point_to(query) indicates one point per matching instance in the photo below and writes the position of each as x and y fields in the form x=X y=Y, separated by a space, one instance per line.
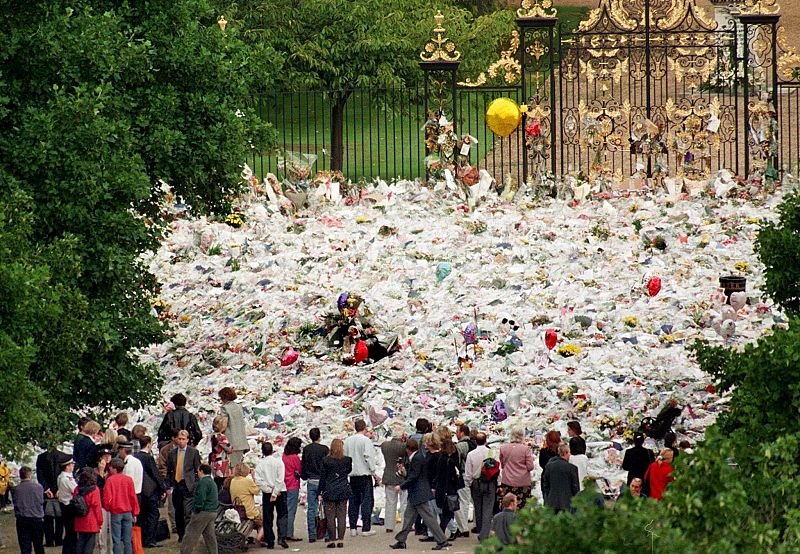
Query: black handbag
x=162 y=530
x=452 y=503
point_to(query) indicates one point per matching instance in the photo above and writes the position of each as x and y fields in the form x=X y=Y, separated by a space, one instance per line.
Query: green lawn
x=382 y=129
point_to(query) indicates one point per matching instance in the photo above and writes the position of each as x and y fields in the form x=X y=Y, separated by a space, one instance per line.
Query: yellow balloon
x=503 y=116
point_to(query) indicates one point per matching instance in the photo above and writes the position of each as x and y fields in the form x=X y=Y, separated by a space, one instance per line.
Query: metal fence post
x=753 y=22
x=538 y=56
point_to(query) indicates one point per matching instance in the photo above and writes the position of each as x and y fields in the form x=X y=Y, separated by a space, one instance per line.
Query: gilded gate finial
x=537 y=8
x=440 y=48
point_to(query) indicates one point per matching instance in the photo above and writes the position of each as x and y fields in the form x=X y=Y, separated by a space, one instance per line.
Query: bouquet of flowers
x=569 y=350
x=297 y=168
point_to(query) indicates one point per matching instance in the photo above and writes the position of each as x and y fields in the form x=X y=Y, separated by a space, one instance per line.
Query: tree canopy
x=99 y=102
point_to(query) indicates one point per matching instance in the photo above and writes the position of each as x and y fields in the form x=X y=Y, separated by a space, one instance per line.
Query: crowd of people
x=107 y=493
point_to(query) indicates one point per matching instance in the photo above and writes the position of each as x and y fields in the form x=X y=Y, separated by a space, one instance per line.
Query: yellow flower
x=362 y=219
x=630 y=321
x=742 y=266
x=569 y=350
x=752 y=220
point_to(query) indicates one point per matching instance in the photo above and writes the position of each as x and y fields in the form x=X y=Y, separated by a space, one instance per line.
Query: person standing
x=27 y=498
x=204 y=507
x=446 y=478
x=334 y=489
x=291 y=467
x=179 y=419
x=637 y=458
x=119 y=498
x=464 y=446
x=236 y=432
x=501 y=522
x=121 y=421
x=66 y=490
x=133 y=466
x=560 y=481
x=48 y=466
x=550 y=448
x=153 y=488
x=394 y=452
x=363 y=477
x=483 y=491
x=635 y=488
x=516 y=464
x=161 y=463
x=577 y=457
x=137 y=432
x=182 y=465
x=311 y=471
x=219 y=458
x=106 y=542
x=418 y=485
x=88 y=526
x=659 y=474
x=84 y=448
x=270 y=478
x=575 y=432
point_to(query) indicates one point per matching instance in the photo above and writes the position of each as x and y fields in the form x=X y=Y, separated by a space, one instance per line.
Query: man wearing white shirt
x=483 y=492
x=363 y=477
x=270 y=479
x=133 y=467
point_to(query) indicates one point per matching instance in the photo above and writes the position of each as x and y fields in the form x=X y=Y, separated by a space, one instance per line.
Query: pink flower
x=534 y=128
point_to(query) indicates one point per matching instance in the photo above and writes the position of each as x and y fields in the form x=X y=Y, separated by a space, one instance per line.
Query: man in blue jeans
x=119 y=499
x=310 y=471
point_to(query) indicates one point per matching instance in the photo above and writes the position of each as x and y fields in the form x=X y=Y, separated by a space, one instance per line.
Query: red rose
x=534 y=128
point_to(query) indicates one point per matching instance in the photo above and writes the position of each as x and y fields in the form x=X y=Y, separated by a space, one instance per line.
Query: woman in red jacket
x=89 y=525
x=659 y=474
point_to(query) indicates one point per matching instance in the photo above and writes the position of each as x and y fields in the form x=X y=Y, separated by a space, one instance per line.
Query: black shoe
x=312 y=541
x=283 y=544
x=398 y=546
x=464 y=535
x=331 y=545
x=427 y=539
x=453 y=536
x=390 y=530
x=270 y=547
x=441 y=546
x=473 y=530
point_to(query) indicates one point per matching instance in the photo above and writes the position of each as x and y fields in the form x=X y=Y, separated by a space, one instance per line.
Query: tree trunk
x=337 y=131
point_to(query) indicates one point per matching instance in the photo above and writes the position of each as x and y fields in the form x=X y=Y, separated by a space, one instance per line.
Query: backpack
x=490 y=469
x=79 y=505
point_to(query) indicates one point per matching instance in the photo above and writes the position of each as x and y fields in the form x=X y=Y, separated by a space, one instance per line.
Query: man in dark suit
x=153 y=487
x=183 y=462
x=418 y=485
x=560 y=480
x=179 y=418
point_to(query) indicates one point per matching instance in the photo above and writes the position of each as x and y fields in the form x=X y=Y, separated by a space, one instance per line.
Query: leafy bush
x=632 y=526
x=778 y=247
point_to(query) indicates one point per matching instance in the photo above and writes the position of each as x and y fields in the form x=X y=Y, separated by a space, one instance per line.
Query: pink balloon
x=550 y=339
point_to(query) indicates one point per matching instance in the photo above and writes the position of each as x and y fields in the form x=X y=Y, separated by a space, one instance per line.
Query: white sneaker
x=368 y=533
x=353 y=532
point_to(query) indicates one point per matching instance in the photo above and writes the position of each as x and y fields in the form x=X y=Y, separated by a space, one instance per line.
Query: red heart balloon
x=550 y=339
x=361 y=352
x=289 y=357
x=654 y=286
